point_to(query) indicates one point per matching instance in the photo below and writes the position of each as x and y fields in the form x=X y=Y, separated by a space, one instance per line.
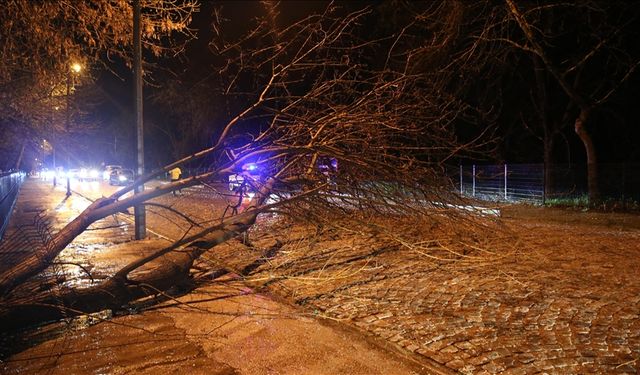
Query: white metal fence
x=537 y=183
x=9 y=186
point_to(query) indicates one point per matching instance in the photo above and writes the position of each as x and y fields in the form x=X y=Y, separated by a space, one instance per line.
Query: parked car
x=106 y=175
x=121 y=177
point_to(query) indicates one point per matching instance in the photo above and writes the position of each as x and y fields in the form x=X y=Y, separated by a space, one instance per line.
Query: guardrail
x=9 y=187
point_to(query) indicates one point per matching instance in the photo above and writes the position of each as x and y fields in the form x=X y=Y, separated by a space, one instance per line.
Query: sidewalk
x=222 y=328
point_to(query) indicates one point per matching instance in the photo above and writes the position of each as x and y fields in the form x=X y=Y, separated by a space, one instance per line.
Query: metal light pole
x=55 y=171
x=74 y=68
x=138 y=211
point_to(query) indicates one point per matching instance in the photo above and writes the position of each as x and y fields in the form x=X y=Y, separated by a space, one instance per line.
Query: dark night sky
x=617 y=131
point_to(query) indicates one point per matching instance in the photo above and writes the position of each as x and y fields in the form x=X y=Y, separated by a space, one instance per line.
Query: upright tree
x=583 y=50
x=42 y=39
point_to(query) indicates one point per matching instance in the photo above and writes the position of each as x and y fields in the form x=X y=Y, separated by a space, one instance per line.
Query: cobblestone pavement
x=567 y=300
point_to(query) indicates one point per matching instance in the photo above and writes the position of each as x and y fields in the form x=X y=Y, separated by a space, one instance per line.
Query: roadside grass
x=582 y=202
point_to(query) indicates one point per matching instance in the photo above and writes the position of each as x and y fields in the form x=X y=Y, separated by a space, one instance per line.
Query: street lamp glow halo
x=76 y=67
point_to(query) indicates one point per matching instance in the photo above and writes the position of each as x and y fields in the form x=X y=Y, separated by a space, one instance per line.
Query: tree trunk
x=592 y=167
x=548 y=128
x=149 y=276
x=114 y=293
x=20 y=156
x=43 y=256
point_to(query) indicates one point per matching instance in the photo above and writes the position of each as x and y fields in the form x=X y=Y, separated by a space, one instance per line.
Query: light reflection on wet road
x=221 y=328
x=202 y=204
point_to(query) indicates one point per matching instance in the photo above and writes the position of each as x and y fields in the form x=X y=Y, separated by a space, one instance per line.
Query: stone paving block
x=518 y=371
x=436 y=345
x=610 y=360
x=369 y=319
x=384 y=315
x=479 y=360
x=585 y=360
x=412 y=347
x=465 y=345
x=456 y=364
x=507 y=362
x=627 y=369
x=525 y=357
x=396 y=338
x=449 y=349
x=493 y=368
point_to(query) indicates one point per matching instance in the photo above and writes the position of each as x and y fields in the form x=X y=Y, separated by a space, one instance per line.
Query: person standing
x=175 y=175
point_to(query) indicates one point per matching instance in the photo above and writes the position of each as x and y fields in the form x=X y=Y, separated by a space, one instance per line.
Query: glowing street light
x=76 y=67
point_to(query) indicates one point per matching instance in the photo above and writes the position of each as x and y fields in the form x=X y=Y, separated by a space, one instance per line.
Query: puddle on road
x=77 y=262
x=85 y=264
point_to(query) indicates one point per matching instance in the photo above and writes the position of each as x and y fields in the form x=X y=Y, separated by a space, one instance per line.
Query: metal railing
x=538 y=183
x=9 y=187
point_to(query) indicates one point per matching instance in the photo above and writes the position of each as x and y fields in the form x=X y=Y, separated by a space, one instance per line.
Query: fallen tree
x=337 y=136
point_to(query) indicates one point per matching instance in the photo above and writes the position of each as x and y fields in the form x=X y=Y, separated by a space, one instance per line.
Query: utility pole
x=138 y=211
x=55 y=171
x=67 y=125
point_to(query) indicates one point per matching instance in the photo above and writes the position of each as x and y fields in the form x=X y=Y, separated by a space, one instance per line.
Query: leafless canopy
x=337 y=133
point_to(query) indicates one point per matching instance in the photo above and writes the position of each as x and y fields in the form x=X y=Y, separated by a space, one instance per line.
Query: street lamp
x=74 y=68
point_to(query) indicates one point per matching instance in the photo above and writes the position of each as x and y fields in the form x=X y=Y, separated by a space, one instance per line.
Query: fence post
x=473 y=191
x=544 y=183
x=460 y=179
x=505 y=181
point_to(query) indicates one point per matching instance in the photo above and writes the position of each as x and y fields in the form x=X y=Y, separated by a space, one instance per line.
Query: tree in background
x=579 y=55
x=549 y=66
x=42 y=39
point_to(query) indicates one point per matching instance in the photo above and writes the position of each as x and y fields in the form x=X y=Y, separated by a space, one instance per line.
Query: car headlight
x=122 y=178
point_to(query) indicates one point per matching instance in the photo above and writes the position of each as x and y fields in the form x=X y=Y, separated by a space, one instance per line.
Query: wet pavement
x=564 y=298
x=223 y=327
